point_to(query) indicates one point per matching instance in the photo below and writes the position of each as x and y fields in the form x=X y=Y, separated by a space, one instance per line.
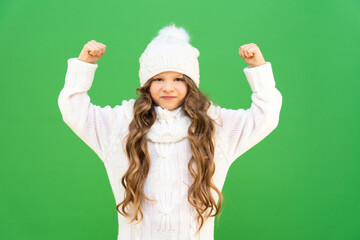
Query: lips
x=168 y=97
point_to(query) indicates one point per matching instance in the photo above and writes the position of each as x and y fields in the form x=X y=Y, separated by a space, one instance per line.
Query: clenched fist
x=251 y=54
x=92 y=52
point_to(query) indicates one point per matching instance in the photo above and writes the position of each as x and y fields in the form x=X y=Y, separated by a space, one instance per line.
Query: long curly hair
x=201 y=137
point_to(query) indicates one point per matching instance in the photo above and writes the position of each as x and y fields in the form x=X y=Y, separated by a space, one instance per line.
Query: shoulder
x=214 y=112
x=127 y=107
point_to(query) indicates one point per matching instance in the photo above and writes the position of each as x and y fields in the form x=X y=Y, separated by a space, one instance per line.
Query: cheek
x=154 y=90
x=184 y=89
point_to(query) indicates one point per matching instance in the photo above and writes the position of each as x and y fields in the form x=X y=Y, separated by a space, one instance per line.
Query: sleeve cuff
x=80 y=74
x=260 y=77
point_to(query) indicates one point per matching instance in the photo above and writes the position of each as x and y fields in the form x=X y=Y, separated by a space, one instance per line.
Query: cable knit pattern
x=170 y=51
x=166 y=204
x=164 y=164
x=103 y=129
x=170 y=126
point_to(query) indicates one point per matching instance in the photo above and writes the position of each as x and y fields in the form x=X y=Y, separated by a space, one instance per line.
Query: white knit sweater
x=104 y=128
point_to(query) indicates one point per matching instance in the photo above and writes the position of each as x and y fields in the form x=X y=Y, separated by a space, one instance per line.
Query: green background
x=300 y=183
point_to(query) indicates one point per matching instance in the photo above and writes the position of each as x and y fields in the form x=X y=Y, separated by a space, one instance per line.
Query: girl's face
x=168 y=89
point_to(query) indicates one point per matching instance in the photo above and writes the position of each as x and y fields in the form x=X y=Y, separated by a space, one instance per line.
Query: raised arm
x=242 y=129
x=93 y=124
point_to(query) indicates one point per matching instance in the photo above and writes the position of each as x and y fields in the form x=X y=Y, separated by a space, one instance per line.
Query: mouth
x=168 y=97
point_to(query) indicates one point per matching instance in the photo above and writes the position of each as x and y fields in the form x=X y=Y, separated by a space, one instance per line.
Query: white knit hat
x=170 y=50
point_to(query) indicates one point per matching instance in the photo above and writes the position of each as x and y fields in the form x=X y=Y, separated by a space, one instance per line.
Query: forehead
x=169 y=74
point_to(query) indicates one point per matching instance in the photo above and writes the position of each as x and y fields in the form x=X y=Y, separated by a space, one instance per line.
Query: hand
x=251 y=54
x=92 y=52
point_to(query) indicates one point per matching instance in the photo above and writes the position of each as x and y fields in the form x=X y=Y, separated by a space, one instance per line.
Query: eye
x=156 y=79
x=180 y=79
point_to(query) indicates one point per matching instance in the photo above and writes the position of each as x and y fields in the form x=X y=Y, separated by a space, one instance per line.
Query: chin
x=169 y=107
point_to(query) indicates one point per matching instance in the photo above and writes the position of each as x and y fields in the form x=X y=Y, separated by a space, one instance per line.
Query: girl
x=167 y=153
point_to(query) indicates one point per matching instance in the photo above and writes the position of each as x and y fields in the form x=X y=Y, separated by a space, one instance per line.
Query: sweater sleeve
x=242 y=129
x=93 y=124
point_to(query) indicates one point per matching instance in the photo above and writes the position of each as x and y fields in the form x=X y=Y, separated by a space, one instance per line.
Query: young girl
x=167 y=153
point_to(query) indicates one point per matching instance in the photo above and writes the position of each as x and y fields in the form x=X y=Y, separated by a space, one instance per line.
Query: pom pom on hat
x=170 y=50
x=173 y=31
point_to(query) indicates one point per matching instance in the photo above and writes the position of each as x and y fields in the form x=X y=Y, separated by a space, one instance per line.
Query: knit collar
x=170 y=125
x=164 y=114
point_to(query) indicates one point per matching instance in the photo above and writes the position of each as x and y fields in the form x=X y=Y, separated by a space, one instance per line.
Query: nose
x=168 y=86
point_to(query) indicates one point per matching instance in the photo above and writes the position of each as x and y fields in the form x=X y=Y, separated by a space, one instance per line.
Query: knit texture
x=170 y=50
x=104 y=128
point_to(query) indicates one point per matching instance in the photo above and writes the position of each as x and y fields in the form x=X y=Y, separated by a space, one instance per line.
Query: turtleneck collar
x=164 y=114
x=170 y=125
